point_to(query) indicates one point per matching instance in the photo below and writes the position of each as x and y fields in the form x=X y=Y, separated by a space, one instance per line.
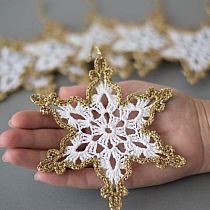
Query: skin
x=183 y=124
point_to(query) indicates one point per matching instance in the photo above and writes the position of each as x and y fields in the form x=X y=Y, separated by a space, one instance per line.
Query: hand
x=183 y=125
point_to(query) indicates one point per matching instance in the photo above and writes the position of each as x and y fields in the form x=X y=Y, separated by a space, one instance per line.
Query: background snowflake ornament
x=43 y=84
x=146 y=62
x=143 y=42
x=121 y=63
x=100 y=32
x=107 y=131
x=13 y=65
x=51 y=54
x=192 y=49
x=75 y=72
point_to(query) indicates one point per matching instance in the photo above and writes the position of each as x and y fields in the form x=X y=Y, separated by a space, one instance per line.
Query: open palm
x=179 y=125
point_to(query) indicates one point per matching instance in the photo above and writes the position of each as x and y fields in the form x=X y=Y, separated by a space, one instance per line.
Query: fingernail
x=10 y=124
x=4 y=159
x=37 y=177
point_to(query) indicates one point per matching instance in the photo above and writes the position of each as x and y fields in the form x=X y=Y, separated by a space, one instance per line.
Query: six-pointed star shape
x=107 y=131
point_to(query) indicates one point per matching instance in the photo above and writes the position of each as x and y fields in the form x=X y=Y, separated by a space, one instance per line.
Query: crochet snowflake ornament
x=43 y=84
x=50 y=54
x=99 y=33
x=144 y=42
x=192 y=49
x=13 y=65
x=107 y=131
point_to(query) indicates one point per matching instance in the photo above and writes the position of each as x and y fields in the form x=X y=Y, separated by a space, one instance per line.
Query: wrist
x=203 y=110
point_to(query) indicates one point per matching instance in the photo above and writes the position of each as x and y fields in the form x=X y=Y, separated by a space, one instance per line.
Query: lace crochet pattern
x=99 y=33
x=50 y=54
x=192 y=49
x=43 y=84
x=107 y=131
x=143 y=42
x=13 y=65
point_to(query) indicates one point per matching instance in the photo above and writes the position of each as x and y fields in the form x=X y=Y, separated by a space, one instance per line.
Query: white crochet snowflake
x=117 y=60
x=192 y=48
x=108 y=131
x=38 y=82
x=50 y=54
x=75 y=69
x=139 y=38
x=97 y=34
x=12 y=66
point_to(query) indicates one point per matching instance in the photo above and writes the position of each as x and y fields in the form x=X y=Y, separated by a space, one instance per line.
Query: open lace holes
x=142 y=155
x=116 y=113
x=95 y=114
x=133 y=115
x=65 y=120
x=96 y=137
x=152 y=101
x=129 y=131
x=123 y=171
x=110 y=145
x=77 y=116
x=81 y=147
x=104 y=100
x=74 y=104
x=87 y=130
x=78 y=161
x=151 y=140
x=108 y=130
x=112 y=162
x=139 y=144
x=121 y=147
x=122 y=138
x=106 y=116
x=93 y=123
x=99 y=148
x=120 y=123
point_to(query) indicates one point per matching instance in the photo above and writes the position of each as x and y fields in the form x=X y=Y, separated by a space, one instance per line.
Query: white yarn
x=117 y=60
x=12 y=66
x=108 y=131
x=38 y=82
x=138 y=38
x=50 y=54
x=97 y=34
x=193 y=48
x=75 y=69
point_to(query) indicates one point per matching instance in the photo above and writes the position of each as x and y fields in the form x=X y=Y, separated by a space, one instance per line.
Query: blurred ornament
x=13 y=66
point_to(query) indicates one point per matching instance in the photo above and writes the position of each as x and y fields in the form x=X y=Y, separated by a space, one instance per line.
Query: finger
x=32 y=120
x=35 y=120
x=85 y=178
x=147 y=175
x=26 y=158
x=32 y=139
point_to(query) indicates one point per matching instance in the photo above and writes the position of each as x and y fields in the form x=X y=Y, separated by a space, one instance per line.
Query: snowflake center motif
x=107 y=131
